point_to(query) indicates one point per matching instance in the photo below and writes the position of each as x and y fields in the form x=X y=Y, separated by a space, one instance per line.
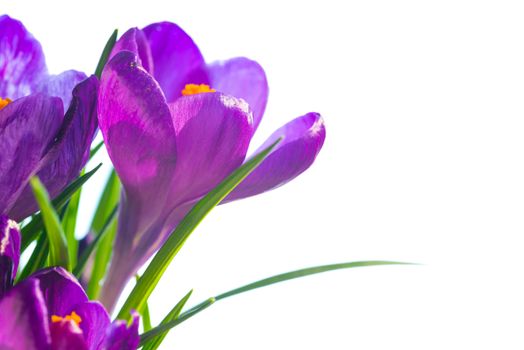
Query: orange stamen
x=4 y=102
x=72 y=317
x=193 y=89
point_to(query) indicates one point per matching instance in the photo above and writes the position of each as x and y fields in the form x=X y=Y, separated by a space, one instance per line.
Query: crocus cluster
x=47 y=122
x=175 y=127
x=49 y=310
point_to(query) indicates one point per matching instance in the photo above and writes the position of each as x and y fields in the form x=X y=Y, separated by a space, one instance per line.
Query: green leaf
x=163 y=328
x=82 y=261
x=154 y=342
x=106 y=205
x=176 y=240
x=95 y=149
x=37 y=259
x=58 y=254
x=105 y=54
x=35 y=226
x=69 y=224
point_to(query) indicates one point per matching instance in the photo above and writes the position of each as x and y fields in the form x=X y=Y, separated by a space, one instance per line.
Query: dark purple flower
x=50 y=310
x=36 y=137
x=175 y=127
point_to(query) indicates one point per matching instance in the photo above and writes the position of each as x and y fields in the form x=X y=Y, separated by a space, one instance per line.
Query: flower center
x=193 y=89
x=4 y=102
x=72 y=317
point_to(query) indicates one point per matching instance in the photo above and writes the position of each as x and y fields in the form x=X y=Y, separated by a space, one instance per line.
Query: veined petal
x=134 y=40
x=303 y=139
x=62 y=292
x=28 y=129
x=22 y=62
x=122 y=337
x=95 y=322
x=242 y=78
x=24 y=319
x=176 y=58
x=74 y=150
x=213 y=134
x=139 y=135
x=9 y=252
x=60 y=85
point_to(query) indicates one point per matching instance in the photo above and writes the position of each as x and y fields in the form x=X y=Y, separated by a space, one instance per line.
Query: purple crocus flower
x=50 y=310
x=36 y=136
x=175 y=127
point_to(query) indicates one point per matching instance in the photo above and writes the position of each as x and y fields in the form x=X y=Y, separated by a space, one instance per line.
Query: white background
x=423 y=162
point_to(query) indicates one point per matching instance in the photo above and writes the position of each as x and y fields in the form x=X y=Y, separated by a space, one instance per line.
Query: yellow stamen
x=72 y=317
x=4 y=102
x=193 y=89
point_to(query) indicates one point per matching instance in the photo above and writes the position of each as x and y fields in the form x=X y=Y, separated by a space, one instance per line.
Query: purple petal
x=23 y=319
x=28 y=129
x=9 y=252
x=66 y=335
x=303 y=139
x=95 y=321
x=242 y=78
x=121 y=337
x=213 y=133
x=74 y=150
x=176 y=58
x=62 y=292
x=60 y=85
x=135 y=40
x=22 y=62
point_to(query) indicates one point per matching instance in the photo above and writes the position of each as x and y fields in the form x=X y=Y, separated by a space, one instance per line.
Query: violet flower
x=50 y=310
x=36 y=137
x=175 y=127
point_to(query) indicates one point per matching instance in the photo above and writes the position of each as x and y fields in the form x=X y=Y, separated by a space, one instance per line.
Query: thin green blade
x=155 y=342
x=105 y=54
x=169 y=250
x=84 y=258
x=37 y=259
x=107 y=204
x=163 y=328
x=95 y=149
x=33 y=228
x=69 y=224
x=58 y=253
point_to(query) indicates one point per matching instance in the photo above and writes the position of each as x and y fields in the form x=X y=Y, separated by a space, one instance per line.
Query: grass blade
x=108 y=202
x=163 y=328
x=169 y=250
x=105 y=54
x=35 y=226
x=58 y=253
x=154 y=342
x=84 y=258
x=37 y=259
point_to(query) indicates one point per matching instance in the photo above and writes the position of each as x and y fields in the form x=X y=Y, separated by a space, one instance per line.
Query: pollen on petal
x=4 y=102
x=71 y=317
x=193 y=89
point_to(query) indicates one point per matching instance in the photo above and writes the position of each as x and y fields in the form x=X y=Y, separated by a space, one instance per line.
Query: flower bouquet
x=177 y=130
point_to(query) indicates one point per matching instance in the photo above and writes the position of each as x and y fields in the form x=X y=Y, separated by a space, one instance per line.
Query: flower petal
x=242 y=78
x=28 y=129
x=303 y=139
x=62 y=292
x=23 y=320
x=74 y=150
x=177 y=59
x=60 y=85
x=121 y=337
x=135 y=40
x=138 y=132
x=9 y=252
x=22 y=61
x=95 y=322
x=66 y=335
